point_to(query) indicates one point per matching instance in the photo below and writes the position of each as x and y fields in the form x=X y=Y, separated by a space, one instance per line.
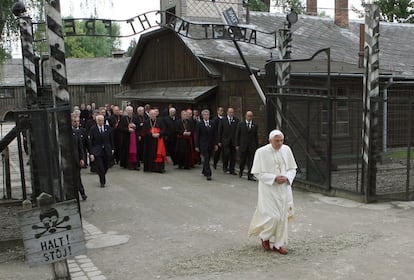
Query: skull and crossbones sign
x=50 y=220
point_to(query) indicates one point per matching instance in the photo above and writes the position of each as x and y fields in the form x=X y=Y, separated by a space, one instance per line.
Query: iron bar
x=409 y=132
x=6 y=157
x=21 y=166
x=8 y=138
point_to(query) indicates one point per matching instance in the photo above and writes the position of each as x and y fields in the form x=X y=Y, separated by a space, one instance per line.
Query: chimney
x=312 y=7
x=341 y=13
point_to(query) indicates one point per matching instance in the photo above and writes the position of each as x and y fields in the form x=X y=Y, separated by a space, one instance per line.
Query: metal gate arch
x=307 y=116
x=307 y=124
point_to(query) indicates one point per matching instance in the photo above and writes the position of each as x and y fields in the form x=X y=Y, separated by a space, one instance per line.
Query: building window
x=6 y=93
x=340 y=114
x=95 y=89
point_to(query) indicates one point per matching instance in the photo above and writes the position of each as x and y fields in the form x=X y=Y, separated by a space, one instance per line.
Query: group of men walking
x=110 y=136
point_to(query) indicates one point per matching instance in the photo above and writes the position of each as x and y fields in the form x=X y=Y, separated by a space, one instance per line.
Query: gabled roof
x=140 y=48
x=96 y=70
x=80 y=71
x=311 y=34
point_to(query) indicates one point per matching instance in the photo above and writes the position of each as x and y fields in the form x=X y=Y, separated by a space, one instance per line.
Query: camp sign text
x=150 y=20
x=53 y=234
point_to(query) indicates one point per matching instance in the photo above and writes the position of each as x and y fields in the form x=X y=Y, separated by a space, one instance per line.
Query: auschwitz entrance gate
x=330 y=152
x=323 y=125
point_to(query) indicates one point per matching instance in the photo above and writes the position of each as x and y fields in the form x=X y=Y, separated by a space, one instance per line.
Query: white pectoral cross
x=278 y=163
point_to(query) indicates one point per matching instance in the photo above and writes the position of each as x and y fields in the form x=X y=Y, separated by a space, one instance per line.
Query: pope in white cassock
x=275 y=168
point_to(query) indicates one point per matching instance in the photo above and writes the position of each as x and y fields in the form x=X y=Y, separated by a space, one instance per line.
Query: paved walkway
x=80 y=267
x=179 y=226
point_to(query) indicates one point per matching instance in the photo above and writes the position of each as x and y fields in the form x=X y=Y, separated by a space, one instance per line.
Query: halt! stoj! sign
x=53 y=234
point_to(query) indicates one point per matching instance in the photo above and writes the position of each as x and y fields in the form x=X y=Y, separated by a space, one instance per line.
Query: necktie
x=230 y=119
x=206 y=123
x=249 y=124
x=101 y=129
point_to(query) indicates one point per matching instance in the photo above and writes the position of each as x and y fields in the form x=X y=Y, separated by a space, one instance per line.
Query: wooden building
x=89 y=80
x=170 y=68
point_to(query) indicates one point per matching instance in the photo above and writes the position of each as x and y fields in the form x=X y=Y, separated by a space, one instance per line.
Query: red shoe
x=281 y=250
x=265 y=245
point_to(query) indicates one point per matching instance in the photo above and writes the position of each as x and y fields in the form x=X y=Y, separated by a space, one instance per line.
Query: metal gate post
x=409 y=136
x=29 y=60
x=370 y=99
x=30 y=82
x=283 y=70
x=61 y=102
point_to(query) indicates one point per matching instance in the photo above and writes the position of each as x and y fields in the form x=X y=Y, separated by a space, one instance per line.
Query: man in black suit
x=227 y=140
x=92 y=121
x=170 y=122
x=101 y=139
x=206 y=141
x=140 y=120
x=247 y=143
x=79 y=154
x=216 y=119
x=114 y=120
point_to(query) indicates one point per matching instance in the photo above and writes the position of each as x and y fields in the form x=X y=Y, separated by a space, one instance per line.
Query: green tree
x=132 y=45
x=92 y=46
x=287 y=5
x=8 y=22
x=257 y=5
x=35 y=9
x=323 y=14
x=392 y=10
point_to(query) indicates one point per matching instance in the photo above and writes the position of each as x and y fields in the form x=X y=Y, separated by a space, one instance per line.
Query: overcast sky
x=124 y=9
x=120 y=9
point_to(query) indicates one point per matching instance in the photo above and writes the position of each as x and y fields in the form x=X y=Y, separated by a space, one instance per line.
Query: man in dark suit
x=227 y=140
x=206 y=141
x=170 y=122
x=216 y=119
x=79 y=154
x=140 y=120
x=101 y=139
x=114 y=120
x=247 y=143
x=92 y=121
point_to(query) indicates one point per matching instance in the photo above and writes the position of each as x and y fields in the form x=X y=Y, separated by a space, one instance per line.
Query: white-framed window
x=340 y=114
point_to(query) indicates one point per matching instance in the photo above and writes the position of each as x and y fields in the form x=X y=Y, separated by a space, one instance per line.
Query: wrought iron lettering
x=69 y=27
x=184 y=26
x=192 y=30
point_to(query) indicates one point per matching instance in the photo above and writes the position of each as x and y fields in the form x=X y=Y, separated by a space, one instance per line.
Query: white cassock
x=275 y=201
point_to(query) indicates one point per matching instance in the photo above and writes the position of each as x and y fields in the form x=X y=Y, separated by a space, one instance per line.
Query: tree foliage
x=257 y=5
x=132 y=45
x=90 y=46
x=8 y=22
x=35 y=9
x=392 y=10
x=288 y=5
x=8 y=26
